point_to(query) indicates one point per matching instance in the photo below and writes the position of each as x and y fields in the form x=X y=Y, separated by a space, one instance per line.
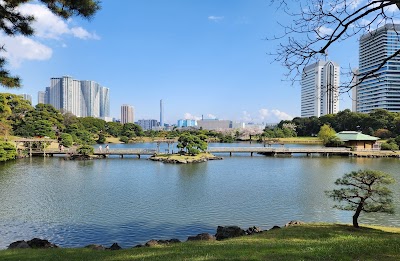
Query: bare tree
x=319 y=24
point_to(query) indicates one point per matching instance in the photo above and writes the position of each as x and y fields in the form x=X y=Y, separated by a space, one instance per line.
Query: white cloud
x=21 y=48
x=189 y=116
x=273 y=116
x=215 y=18
x=246 y=117
x=211 y=116
x=323 y=31
x=48 y=25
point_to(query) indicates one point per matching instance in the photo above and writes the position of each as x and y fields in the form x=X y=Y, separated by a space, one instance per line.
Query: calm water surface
x=130 y=200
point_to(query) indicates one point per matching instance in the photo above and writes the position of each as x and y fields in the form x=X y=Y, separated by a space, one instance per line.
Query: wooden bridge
x=103 y=152
x=268 y=151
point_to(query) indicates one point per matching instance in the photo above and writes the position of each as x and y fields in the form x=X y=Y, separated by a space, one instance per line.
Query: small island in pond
x=184 y=158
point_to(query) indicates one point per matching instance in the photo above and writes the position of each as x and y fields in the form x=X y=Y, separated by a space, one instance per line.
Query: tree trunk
x=357 y=214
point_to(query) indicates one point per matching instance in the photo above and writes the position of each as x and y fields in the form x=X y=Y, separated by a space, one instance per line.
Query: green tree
x=85 y=150
x=66 y=140
x=192 y=143
x=363 y=190
x=7 y=151
x=13 y=22
x=326 y=134
x=114 y=128
x=101 y=139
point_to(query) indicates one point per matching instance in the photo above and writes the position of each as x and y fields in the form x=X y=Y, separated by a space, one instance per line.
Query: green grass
x=308 y=242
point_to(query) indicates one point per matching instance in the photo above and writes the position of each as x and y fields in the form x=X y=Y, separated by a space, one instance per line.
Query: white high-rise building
x=381 y=87
x=127 y=114
x=320 y=89
x=41 y=97
x=66 y=95
x=27 y=97
x=81 y=98
x=90 y=99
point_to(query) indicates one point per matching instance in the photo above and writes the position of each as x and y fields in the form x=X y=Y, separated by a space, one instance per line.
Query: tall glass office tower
x=380 y=89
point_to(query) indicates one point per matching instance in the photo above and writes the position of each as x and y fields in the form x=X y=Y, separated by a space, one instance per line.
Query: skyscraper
x=161 y=114
x=81 y=98
x=127 y=114
x=381 y=88
x=27 y=97
x=41 y=97
x=320 y=89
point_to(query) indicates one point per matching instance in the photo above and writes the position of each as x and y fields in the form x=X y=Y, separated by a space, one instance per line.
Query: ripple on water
x=130 y=201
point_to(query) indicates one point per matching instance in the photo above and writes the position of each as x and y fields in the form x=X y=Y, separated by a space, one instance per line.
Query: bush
x=383 y=133
x=389 y=146
x=124 y=139
x=7 y=151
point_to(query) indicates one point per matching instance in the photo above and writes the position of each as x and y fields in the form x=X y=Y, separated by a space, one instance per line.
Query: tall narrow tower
x=161 y=114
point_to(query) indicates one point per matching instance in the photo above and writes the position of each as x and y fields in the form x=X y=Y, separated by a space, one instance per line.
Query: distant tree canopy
x=13 y=22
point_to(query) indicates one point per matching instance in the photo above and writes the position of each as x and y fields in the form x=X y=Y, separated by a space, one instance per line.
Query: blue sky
x=202 y=57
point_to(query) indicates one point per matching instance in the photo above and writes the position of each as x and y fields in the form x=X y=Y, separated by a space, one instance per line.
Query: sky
x=201 y=57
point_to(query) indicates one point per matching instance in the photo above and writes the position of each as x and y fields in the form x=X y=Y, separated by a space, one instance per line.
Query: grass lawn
x=307 y=242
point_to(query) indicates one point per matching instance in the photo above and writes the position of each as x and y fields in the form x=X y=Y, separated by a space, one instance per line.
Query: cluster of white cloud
x=189 y=116
x=215 y=18
x=263 y=115
x=273 y=116
x=46 y=26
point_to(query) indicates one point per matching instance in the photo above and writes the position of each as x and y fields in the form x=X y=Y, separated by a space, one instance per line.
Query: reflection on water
x=130 y=200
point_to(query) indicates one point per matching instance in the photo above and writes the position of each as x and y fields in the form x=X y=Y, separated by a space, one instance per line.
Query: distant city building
x=320 y=89
x=81 y=98
x=381 y=88
x=186 y=123
x=238 y=125
x=127 y=114
x=148 y=124
x=161 y=114
x=27 y=97
x=214 y=124
x=41 y=97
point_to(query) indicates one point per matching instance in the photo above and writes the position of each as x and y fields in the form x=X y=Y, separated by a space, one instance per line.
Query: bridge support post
x=139 y=156
x=122 y=156
x=251 y=154
x=230 y=154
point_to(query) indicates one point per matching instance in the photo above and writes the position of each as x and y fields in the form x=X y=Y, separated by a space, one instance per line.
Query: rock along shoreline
x=223 y=232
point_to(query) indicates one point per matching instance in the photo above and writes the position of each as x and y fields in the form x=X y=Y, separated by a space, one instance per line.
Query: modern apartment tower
x=127 y=114
x=161 y=114
x=27 y=97
x=380 y=85
x=320 y=89
x=81 y=98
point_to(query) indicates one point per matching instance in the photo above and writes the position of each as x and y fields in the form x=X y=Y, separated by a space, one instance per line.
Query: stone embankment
x=223 y=232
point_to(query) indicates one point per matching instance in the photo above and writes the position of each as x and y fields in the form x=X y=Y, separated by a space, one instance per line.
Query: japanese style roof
x=354 y=135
